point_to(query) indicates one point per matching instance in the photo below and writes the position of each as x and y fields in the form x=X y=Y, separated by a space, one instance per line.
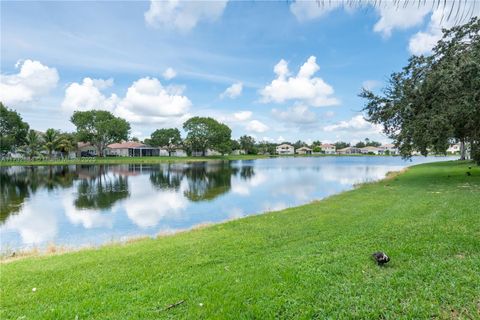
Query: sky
x=278 y=71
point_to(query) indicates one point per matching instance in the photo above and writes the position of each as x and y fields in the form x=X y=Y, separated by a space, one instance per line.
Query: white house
x=285 y=149
x=328 y=148
x=454 y=148
x=390 y=148
x=349 y=150
x=208 y=153
x=371 y=149
x=304 y=150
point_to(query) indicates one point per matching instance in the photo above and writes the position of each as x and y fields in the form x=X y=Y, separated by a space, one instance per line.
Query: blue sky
x=57 y=57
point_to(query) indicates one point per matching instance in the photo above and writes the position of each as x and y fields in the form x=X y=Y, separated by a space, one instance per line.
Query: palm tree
x=65 y=143
x=50 y=141
x=33 y=144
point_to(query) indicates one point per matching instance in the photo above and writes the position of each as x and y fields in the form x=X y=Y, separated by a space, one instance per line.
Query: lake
x=85 y=205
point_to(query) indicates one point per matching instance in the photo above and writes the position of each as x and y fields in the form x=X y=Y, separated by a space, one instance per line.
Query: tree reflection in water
x=19 y=183
x=99 y=188
x=206 y=182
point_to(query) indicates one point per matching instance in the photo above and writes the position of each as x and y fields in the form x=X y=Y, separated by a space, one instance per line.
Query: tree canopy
x=205 y=133
x=169 y=138
x=100 y=128
x=434 y=100
x=247 y=143
x=13 y=131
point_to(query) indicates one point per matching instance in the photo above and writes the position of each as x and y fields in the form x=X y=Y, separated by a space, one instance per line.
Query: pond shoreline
x=165 y=159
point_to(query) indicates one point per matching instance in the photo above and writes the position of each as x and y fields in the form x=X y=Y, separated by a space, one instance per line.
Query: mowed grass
x=308 y=262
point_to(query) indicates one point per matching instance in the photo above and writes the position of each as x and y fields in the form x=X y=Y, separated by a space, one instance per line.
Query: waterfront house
x=304 y=150
x=328 y=148
x=86 y=149
x=371 y=150
x=389 y=148
x=237 y=152
x=285 y=149
x=454 y=148
x=349 y=150
x=131 y=149
x=208 y=153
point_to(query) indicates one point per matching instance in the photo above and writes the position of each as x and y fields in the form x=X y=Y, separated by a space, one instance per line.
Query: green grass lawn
x=308 y=262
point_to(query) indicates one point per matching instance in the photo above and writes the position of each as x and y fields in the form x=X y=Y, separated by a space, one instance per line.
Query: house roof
x=285 y=146
x=304 y=148
x=83 y=144
x=125 y=145
x=370 y=148
x=327 y=145
x=388 y=145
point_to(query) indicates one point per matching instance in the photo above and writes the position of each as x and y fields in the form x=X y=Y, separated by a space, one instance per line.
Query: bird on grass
x=381 y=258
x=468 y=173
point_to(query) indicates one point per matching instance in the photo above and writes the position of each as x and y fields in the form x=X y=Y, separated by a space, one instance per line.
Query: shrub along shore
x=311 y=261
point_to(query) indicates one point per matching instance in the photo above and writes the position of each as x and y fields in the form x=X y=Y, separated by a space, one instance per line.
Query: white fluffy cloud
x=242 y=115
x=146 y=101
x=399 y=17
x=256 y=126
x=183 y=15
x=87 y=95
x=298 y=114
x=304 y=87
x=305 y=10
x=169 y=74
x=232 y=92
x=33 y=80
x=423 y=41
x=356 y=124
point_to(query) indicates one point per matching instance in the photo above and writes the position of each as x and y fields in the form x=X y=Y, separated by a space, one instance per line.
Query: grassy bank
x=307 y=262
x=127 y=160
x=163 y=159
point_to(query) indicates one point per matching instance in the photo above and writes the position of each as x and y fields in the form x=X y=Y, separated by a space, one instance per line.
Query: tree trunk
x=462 y=150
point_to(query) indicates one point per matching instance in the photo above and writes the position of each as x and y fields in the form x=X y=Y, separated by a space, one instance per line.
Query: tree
x=100 y=128
x=434 y=100
x=32 y=145
x=50 y=140
x=299 y=144
x=360 y=144
x=247 y=143
x=167 y=138
x=341 y=145
x=13 y=131
x=207 y=133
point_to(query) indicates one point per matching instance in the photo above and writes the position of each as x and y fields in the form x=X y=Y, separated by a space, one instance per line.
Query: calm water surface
x=81 y=205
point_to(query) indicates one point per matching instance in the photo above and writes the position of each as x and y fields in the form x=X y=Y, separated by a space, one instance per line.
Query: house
x=349 y=150
x=304 y=150
x=389 y=148
x=86 y=149
x=208 y=153
x=131 y=149
x=328 y=148
x=454 y=148
x=176 y=152
x=285 y=149
x=237 y=152
x=371 y=150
